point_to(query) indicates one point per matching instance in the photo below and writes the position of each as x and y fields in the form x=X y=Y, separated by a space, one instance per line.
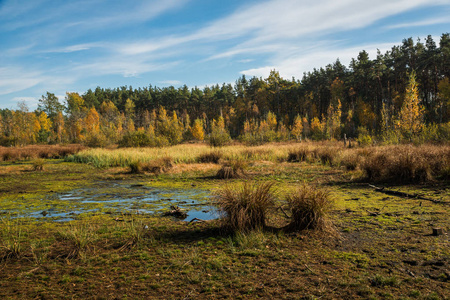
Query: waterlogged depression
x=109 y=197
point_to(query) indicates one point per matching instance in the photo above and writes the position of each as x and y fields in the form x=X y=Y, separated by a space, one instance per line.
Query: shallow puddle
x=116 y=198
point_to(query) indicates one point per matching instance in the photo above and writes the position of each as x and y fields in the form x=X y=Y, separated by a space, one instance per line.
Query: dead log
x=404 y=195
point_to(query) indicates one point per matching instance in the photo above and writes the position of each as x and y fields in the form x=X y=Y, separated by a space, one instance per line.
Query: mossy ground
x=385 y=249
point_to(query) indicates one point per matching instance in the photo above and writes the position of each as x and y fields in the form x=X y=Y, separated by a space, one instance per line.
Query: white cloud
x=170 y=82
x=13 y=79
x=427 y=22
x=295 y=65
x=75 y=48
x=271 y=26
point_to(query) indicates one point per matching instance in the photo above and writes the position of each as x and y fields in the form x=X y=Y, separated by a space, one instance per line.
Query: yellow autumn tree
x=297 y=128
x=92 y=121
x=271 y=121
x=410 y=119
x=219 y=136
x=317 y=129
x=43 y=126
x=197 y=130
x=334 y=120
x=59 y=127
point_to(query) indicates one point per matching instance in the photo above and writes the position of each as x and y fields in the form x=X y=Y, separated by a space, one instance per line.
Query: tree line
x=401 y=95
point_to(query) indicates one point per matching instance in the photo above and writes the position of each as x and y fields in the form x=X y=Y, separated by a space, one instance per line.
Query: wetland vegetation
x=301 y=220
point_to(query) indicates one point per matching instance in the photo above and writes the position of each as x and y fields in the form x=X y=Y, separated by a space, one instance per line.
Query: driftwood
x=404 y=195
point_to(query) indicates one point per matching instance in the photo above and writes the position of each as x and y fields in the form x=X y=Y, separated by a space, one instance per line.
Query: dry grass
x=79 y=238
x=299 y=154
x=232 y=169
x=210 y=157
x=157 y=166
x=245 y=207
x=38 y=164
x=349 y=159
x=257 y=153
x=183 y=153
x=38 y=151
x=309 y=209
x=406 y=163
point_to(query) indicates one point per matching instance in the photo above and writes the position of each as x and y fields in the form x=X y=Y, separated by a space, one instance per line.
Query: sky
x=72 y=46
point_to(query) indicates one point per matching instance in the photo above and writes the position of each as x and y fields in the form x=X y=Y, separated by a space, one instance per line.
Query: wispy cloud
x=305 y=61
x=288 y=23
x=426 y=22
x=14 y=79
x=75 y=48
x=170 y=82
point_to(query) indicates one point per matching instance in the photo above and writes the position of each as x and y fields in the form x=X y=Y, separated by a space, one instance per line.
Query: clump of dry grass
x=38 y=164
x=374 y=165
x=349 y=159
x=299 y=154
x=406 y=163
x=245 y=207
x=256 y=153
x=210 y=157
x=309 y=209
x=78 y=238
x=38 y=151
x=234 y=168
x=156 y=166
x=326 y=154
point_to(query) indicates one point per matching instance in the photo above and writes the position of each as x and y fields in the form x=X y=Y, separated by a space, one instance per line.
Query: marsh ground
x=385 y=250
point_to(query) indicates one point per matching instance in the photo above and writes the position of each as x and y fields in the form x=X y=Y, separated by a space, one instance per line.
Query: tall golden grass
x=402 y=163
x=184 y=153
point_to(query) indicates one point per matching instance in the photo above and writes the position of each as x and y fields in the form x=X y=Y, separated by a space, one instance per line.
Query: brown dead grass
x=38 y=151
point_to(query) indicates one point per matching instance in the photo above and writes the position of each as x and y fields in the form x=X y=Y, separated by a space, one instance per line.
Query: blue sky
x=71 y=46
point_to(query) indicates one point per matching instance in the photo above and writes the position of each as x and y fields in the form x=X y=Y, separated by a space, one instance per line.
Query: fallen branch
x=309 y=269
x=285 y=214
x=403 y=194
x=196 y=219
x=29 y=272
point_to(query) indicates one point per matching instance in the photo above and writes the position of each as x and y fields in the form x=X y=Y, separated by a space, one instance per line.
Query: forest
x=400 y=96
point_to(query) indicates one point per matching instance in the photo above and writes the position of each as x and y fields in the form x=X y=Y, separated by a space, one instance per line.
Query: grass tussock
x=245 y=207
x=210 y=157
x=310 y=208
x=348 y=159
x=136 y=232
x=78 y=238
x=256 y=153
x=38 y=164
x=157 y=166
x=233 y=169
x=407 y=164
x=38 y=151
x=326 y=154
x=11 y=238
x=299 y=154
